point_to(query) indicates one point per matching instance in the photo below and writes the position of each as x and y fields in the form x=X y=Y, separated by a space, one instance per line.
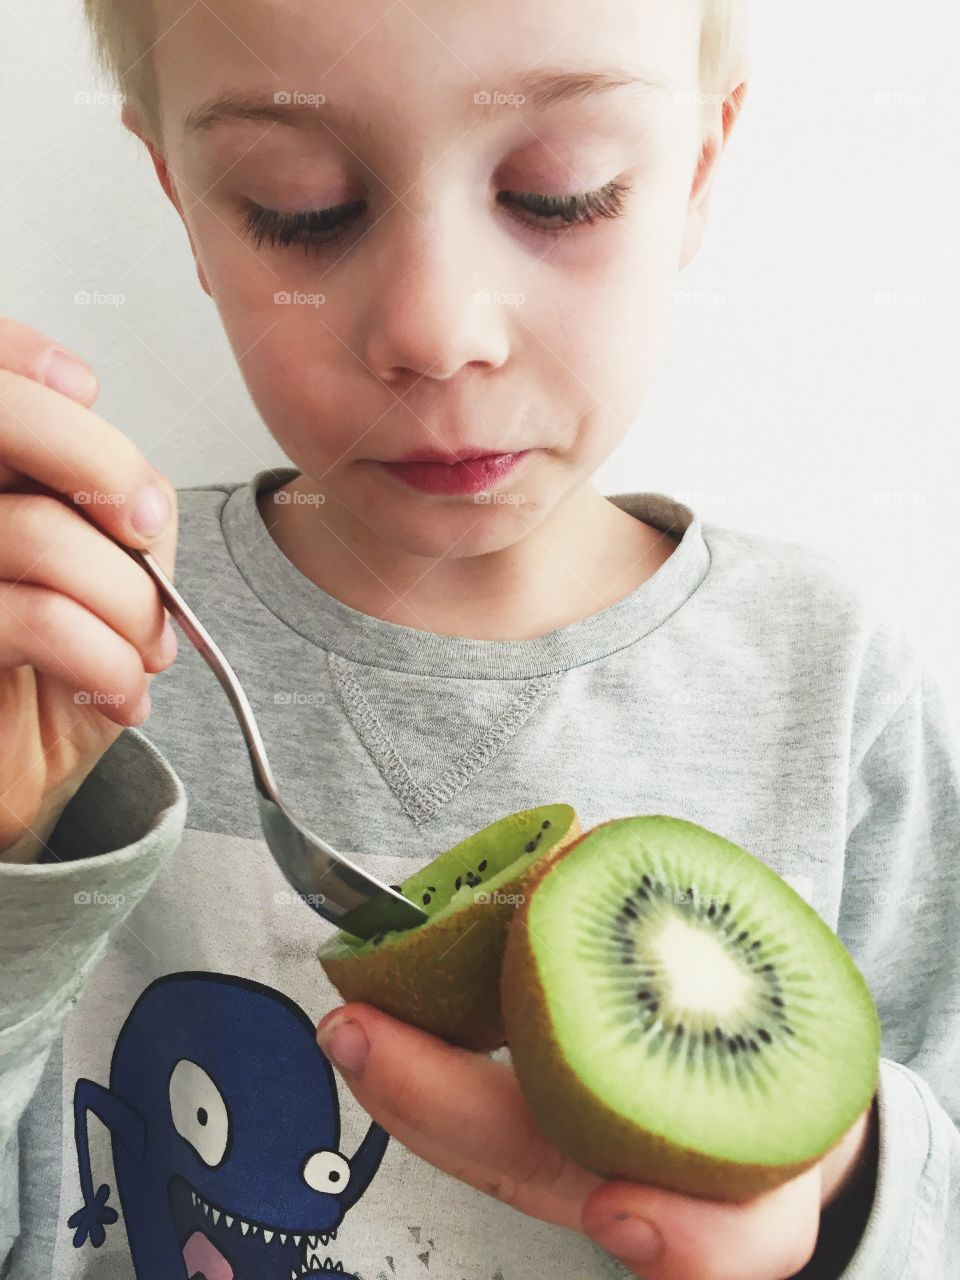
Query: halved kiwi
x=678 y=1015
x=444 y=975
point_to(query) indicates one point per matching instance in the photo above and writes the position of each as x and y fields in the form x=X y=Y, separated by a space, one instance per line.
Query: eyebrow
x=543 y=88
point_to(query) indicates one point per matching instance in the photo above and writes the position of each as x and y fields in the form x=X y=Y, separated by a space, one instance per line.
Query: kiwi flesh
x=443 y=976
x=678 y=1015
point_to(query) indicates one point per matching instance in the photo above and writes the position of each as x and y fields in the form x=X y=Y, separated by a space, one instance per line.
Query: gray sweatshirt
x=161 y=1089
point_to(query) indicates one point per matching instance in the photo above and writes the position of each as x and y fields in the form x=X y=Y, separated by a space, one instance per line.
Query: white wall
x=807 y=389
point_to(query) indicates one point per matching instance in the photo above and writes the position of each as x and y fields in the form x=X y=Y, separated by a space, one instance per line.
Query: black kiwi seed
x=725 y=908
x=718 y=1032
x=740 y=1041
x=741 y=936
x=627 y=910
x=755 y=945
x=765 y=1035
x=653 y=1006
x=678 y=1029
x=767 y=968
x=545 y=824
x=754 y=1046
x=643 y=995
x=732 y=1046
x=483 y=865
x=530 y=846
x=398 y=888
x=648 y=882
x=777 y=1001
x=712 y=910
x=458 y=882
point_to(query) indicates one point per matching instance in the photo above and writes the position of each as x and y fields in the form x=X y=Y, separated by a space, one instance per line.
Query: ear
x=714 y=141
x=132 y=120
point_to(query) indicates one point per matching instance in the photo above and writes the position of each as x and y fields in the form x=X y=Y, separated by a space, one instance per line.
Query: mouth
x=220 y=1245
x=470 y=475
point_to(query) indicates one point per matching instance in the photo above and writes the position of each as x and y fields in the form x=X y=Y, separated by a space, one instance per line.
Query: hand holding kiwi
x=677 y=1015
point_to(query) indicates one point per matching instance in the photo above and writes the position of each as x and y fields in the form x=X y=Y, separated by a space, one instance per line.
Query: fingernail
x=345 y=1044
x=630 y=1238
x=63 y=373
x=152 y=511
x=168 y=643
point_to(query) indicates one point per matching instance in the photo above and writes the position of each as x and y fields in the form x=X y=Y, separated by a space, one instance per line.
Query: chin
x=452 y=530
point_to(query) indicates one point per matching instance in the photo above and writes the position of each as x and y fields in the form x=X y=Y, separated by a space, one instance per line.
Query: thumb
x=773 y=1234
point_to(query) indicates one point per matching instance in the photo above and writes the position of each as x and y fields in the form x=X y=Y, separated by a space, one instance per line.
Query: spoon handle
x=221 y=668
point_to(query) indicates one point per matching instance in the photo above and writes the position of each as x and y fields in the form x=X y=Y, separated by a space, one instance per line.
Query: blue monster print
x=225 y=1126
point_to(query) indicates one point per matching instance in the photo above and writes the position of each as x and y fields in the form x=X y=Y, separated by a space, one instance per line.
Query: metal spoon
x=328 y=882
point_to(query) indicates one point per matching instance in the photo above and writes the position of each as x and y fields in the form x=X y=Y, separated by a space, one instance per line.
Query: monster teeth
x=228 y=1220
x=216 y=1216
x=267 y=1236
x=244 y=1226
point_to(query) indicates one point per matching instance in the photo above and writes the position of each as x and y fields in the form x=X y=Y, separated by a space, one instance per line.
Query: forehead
x=418 y=57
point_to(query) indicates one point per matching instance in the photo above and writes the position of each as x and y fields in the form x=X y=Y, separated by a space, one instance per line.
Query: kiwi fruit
x=678 y=1015
x=443 y=976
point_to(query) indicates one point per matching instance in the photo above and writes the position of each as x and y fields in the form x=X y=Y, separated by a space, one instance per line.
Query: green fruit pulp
x=616 y=987
x=504 y=848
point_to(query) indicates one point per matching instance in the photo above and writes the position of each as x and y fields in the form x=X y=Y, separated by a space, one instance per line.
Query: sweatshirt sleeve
x=57 y=915
x=898 y=918
x=899 y=909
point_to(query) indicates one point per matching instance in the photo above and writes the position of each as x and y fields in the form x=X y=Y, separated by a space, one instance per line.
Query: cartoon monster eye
x=326 y=1171
x=199 y=1111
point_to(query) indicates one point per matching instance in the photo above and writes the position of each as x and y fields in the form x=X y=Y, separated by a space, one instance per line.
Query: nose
x=428 y=313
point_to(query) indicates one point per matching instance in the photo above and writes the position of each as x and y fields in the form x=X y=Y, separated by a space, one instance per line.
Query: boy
x=428 y=644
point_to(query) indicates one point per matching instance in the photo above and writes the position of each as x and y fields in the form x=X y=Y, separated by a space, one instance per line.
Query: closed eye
x=314 y=228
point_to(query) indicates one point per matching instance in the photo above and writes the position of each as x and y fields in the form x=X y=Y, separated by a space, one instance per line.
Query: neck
x=584 y=556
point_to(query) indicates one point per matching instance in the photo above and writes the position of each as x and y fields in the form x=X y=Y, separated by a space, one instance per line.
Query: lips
x=472 y=475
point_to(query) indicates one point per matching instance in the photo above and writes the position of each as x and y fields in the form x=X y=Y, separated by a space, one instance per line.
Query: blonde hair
x=122 y=33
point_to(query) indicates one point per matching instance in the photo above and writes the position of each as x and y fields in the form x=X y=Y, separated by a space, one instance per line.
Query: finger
x=47 y=543
x=48 y=438
x=463 y=1113
x=768 y=1238
x=54 y=634
x=27 y=351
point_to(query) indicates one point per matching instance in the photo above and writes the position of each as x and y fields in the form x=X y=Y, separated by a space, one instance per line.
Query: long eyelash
x=608 y=202
x=563 y=213
x=289 y=228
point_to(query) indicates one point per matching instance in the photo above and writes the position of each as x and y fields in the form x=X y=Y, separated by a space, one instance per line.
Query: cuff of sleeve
x=906 y=1182
x=108 y=846
x=911 y=1165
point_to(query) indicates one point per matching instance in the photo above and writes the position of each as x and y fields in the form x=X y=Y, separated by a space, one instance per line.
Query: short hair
x=122 y=33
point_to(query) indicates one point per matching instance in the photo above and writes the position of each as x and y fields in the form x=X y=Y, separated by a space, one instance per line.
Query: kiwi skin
x=444 y=976
x=576 y=1120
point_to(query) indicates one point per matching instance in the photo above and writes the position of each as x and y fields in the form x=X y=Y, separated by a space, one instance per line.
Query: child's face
x=446 y=319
